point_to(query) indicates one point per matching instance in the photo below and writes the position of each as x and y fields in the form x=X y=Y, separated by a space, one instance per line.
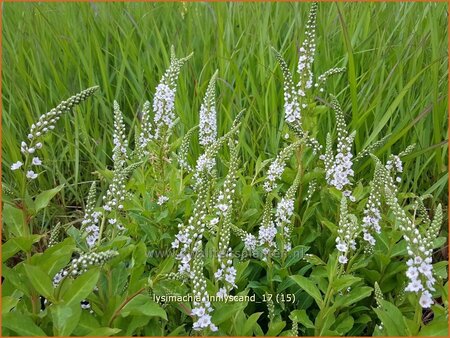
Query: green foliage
x=392 y=93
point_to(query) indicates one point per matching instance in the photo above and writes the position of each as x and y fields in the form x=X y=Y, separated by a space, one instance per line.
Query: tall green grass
x=396 y=79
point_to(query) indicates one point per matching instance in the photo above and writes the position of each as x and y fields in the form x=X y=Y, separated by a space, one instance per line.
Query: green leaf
x=226 y=311
x=354 y=296
x=251 y=321
x=103 y=332
x=21 y=324
x=345 y=324
x=344 y=282
x=45 y=197
x=302 y=317
x=13 y=219
x=313 y=259
x=179 y=331
x=135 y=322
x=435 y=328
x=65 y=318
x=81 y=287
x=392 y=319
x=8 y=303
x=143 y=305
x=310 y=288
x=275 y=328
x=14 y=245
x=295 y=255
x=57 y=257
x=86 y=324
x=40 y=280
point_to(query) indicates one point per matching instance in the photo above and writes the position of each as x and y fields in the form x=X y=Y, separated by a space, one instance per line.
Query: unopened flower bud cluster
x=45 y=124
x=348 y=229
x=87 y=260
x=226 y=272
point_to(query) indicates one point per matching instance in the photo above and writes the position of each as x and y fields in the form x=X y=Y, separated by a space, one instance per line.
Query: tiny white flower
x=31 y=174
x=16 y=165
x=214 y=221
x=343 y=259
x=36 y=161
x=162 y=199
x=426 y=299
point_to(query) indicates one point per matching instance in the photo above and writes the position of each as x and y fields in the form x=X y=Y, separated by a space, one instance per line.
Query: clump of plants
x=176 y=243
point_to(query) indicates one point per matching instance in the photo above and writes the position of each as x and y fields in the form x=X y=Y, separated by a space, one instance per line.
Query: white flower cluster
x=294 y=94
x=191 y=233
x=307 y=50
x=419 y=248
x=226 y=273
x=339 y=167
x=189 y=238
x=91 y=218
x=394 y=165
x=347 y=231
x=119 y=138
x=164 y=99
x=312 y=186
x=204 y=167
x=46 y=123
x=284 y=213
x=145 y=136
x=164 y=108
x=277 y=167
x=285 y=210
x=266 y=237
x=162 y=199
x=202 y=306
x=292 y=105
x=116 y=193
x=208 y=119
x=250 y=241
x=59 y=277
x=383 y=177
x=372 y=214
x=267 y=230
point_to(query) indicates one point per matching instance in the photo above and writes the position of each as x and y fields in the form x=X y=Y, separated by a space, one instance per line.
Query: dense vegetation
x=325 y=203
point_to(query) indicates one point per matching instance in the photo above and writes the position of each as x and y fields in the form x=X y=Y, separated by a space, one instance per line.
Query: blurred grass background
x=396 y=79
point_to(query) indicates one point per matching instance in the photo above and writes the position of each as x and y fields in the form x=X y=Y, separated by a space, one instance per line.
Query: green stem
x=102 y=226
x=352 y=259
x=125 y=302
x=328 y=296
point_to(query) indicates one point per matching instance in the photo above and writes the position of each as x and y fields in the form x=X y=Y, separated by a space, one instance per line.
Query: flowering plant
x=175 y=238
